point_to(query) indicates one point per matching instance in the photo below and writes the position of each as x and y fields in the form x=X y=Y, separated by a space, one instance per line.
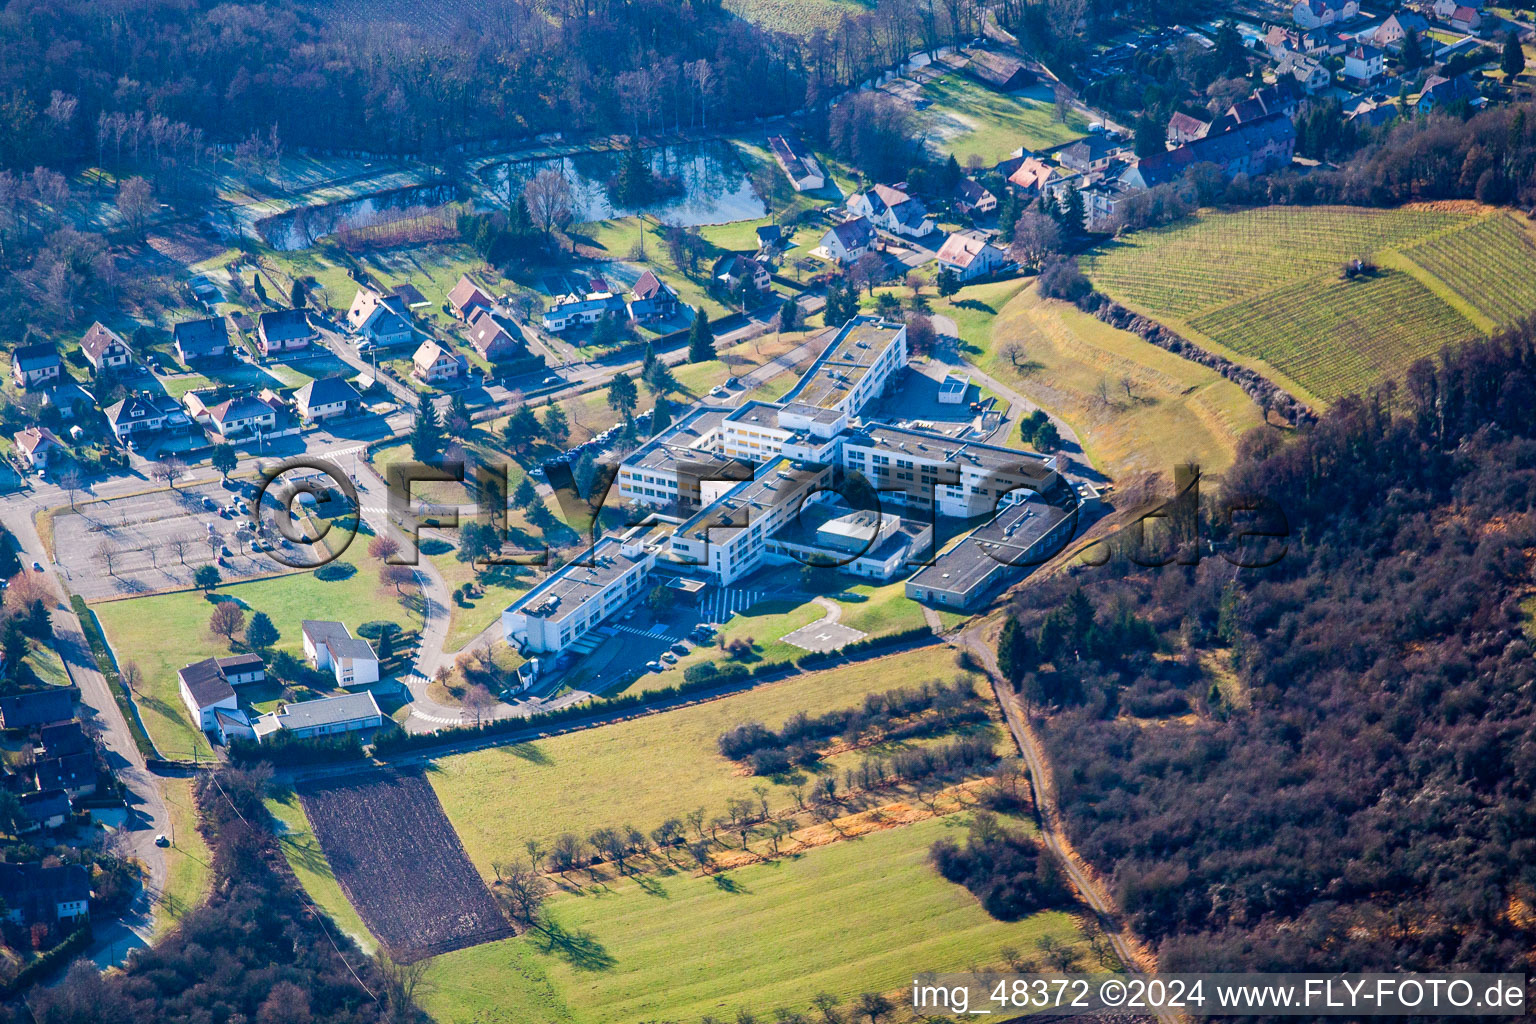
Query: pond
x=302 y=227
x=714 y=186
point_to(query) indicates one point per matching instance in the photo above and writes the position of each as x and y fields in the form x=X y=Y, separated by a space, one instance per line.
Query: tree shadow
x=725 y=883
x=530 y=752
x=578 y=948
x=652 y=887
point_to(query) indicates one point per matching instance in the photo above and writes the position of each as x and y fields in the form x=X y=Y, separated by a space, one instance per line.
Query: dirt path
x=1134 y=953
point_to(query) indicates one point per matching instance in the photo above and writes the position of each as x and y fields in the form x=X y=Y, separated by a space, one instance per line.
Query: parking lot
x=156 y=541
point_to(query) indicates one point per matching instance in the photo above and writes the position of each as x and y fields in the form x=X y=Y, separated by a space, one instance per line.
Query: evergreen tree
x=224 y=459
x=258 y=287
x=660 y=379
x=949 y=282
x=296 y=296
x=525 y=495
x=1072 y=211
x=789 y=315
x=261 y=634
x=426 y=432
x=648 y=361
x=458 y=415
x=1413 y=52
x=557 y=429
x=661 y=415
x=39 y=621
x=701 y=339
x=522 y=430
x=623 y=396
x=13 y=644
x=1514 y=59
x=1014 y=651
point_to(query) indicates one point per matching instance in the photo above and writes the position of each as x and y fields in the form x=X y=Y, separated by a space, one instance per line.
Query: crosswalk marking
x=724 y=602
x=659 y=629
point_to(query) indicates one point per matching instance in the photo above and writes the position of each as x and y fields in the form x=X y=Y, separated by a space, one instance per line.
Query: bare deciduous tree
x=548 y=198
x=108 y=553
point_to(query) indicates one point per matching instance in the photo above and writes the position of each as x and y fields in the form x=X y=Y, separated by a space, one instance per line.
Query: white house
x=1364 y=64
x=104 y=349
x=242 y=416
x=969 y=255
x=847 y=241
x=327 y=716
x=138 y=415
x=37 y=446
x=328 y=645
x=204 y=690
x=581 y=595
x=799 y=166
x=433 y=363
x=35 y=365
x=326 y=398
x=382 y=319
x=892 y=209
x=1316 y=13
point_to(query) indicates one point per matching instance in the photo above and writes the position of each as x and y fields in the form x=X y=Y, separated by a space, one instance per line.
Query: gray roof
x=200 y=337
x=285 y=324
x=74 y=770
x=205 y=681
x=328 y=711
x=39 y=707
x=326 y=391
x=43 y=805
x=350 y=648
x=320 y=631
x=1002 y=542
x=32 y=357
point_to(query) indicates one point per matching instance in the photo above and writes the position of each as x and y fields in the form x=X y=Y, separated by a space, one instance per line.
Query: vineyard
x=1491 y=264
x=1334 y=336
x=401 y=864
x=1266 y=284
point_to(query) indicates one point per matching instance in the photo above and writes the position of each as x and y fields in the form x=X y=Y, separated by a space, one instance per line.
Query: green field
x=970 y=119
x=643 y=771
x=856 y=916
x=188 y=861
x=165 y=632
x=1265 y=286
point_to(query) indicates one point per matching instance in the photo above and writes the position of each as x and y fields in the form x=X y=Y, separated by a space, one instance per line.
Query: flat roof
x=684 y=439
x=577 y=582
x=1001 y=541
x=327 y=711
x=773 y=477
x=936 y=447
x=844 y=363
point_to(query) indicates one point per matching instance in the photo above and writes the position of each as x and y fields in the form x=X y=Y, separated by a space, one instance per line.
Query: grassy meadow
x=855 y=916
x=1265 y=286
x=646 y=770
x=970 y=119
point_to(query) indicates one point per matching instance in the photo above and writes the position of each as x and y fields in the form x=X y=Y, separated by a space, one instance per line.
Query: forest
x=1328 y=762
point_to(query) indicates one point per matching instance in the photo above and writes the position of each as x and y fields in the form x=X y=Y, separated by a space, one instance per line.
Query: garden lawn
x=501 y=585
x=165 y=632
x=188 y=862
x=970 y=119
x=314 y=872
x=643 y=771
x=862 y=915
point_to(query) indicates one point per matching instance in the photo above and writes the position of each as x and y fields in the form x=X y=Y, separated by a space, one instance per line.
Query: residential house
x=1313 y=13
x=201 y=340
x=104 y=349
x=284 y=330
x=328 y=645
x=892 y=208
x=734 y=268
x=1032 y=175
x=209 y=685
x=328 y=716
x=971 y=256
x=63 y=738
x=573 y=311
x=491 y=340
x=242 y=416
x=1373 y=115
x=1090 y=154
x=1392 y=32
x=1279 y=41
x=32 y=894
x=770 y=239
x=233 y=724
x=433 y=363
x=1280 y=98
x=653 y=289
x=1101 y=204
x=1462 y=17
x=1254 y=147
x=1184 y=128
x=1440 y=91
x=39 y=707
x=75 y=774
x=1001 y=72
x=326 y=398
x=972 y=199
x=1365 y=64
x=45 y=809
x=848 y=241
x=799 y=166
x=1308 y=72
x=383 y=320
x=139 y=415
x=37 y=446
x=466 y=297
x=35 y=366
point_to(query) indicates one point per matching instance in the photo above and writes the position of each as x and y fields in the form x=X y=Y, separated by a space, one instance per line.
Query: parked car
x=161 y=840
x=37 y=566
x=653 y=666
x=208 y=503
x=679 y=649
x=669 y=658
